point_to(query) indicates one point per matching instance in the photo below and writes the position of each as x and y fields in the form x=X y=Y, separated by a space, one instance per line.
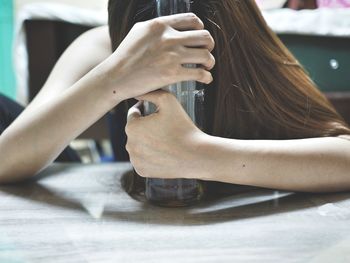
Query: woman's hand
x=165 y=144
x=153 y=53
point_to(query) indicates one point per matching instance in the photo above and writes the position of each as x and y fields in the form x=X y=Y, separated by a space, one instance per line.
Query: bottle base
x=174 y=203
x=174 y=192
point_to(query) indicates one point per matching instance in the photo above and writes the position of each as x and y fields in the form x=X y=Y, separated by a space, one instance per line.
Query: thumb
x=135 y=112
x=158 y=98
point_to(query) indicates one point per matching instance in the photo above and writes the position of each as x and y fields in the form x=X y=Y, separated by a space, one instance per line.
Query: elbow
x=13 y=169
x=5 y=171
x=12 y=175
x=5 y=174
x=5 y=177
x=18 y=161
x=8 y=175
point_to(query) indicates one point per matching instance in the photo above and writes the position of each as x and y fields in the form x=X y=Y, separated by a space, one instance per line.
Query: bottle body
x=178 y=192
x=171 y=7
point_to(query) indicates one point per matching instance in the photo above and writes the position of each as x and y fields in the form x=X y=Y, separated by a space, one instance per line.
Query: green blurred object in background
x=326 y=58
x=7 y=78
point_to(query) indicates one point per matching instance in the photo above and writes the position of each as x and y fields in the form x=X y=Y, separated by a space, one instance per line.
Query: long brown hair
x=260 y=91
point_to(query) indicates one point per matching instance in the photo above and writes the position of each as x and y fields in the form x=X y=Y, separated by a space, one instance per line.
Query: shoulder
x=85 y=53
x=97 y=38
x=97 y=35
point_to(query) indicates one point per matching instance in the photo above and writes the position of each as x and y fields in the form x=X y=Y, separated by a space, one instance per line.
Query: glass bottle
x=178 y=192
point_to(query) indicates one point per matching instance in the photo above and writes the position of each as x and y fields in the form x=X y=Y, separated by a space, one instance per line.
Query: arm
x=180 y=150
x=37 y=136
x=151 y=56
x=310 y=165
x=85 y=53
x=48 y=125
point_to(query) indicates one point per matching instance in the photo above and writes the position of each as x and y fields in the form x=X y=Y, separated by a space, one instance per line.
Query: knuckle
x=173 y=56
x=210 y=78
x=191 y=15
x=207 y=55
x=130 y=150
x=135 y=164
x=212 y=43
x=211 y=61
x=129 y=128
x=133 y=149
x=207 y=35
x=128 y=147
x=167 y=41
x=137 y=25
x=157 y=25
x=140 y=171
x=195 y=20
x=138 y=166
x=204 y=76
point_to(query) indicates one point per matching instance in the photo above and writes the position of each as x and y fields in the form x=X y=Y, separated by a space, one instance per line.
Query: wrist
x=205 y=157
x=219 y=158
x=109 y=82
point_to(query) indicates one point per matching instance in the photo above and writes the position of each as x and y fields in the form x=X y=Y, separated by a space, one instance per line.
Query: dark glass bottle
x=178 y=192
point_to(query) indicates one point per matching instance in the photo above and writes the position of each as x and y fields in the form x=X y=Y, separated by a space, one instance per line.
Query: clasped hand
x=152 y=56
x=165 y=144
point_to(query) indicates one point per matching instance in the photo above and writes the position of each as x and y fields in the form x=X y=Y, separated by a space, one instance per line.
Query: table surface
x=80 y=213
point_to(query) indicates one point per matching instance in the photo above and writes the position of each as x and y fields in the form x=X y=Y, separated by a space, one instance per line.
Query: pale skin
x=83 y=88
x=179 y=149
x=88 y=81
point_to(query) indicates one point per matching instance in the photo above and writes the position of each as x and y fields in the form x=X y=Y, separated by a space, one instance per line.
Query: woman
x=268 y=124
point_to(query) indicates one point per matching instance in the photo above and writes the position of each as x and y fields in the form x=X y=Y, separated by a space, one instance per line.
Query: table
x=80 y=213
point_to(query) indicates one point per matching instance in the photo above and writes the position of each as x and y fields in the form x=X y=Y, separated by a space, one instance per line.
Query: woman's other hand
x=165 y=144
x=153 y=54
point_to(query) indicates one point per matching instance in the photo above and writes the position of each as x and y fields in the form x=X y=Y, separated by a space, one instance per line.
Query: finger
x=184 y=21
x=134 y=112
x=158 y=98
x=197 y=38
x=196 y=74
x=198 y=56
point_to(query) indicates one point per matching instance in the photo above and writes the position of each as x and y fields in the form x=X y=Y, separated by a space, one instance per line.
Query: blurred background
x=33 y=34
x=10 y=10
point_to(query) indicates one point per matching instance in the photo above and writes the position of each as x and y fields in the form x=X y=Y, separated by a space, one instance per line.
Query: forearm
x=311 y=165
x=38 y=136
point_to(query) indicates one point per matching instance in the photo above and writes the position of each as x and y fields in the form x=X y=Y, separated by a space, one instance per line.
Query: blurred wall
x=8 y=11
x=7 y=79
x=89 y=4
